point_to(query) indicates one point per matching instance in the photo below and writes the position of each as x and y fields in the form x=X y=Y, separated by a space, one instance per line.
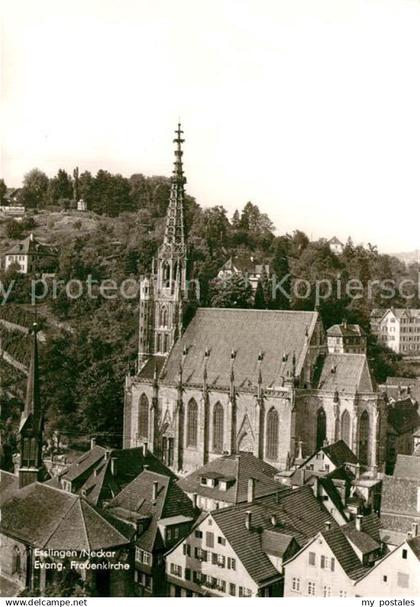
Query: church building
x=234 y=380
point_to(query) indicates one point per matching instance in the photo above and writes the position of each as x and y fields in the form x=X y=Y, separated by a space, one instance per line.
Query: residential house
x=29 y=254
x=403 y=422
x=162 y=514
x=400 y=503
x=346 y=337
x=46 y=532
x=396 y=575
x=240 y=550
x=399 y=388
x=398 y=329
x=246 y=266
x=332 y=562
x=330 y=457
x=229 y=480
x=336 y=246
x=101 y=473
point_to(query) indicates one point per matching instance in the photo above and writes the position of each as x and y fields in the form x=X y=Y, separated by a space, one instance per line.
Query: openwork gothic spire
x=174 y=231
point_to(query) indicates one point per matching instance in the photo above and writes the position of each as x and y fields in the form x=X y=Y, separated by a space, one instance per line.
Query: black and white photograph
x=210 y=301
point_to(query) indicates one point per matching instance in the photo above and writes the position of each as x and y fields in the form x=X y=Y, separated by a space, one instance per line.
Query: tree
x=60 y=188
x=254 y=221
x=14 y=230
x=259 y=299
x=34 y=191
x=216 y=225
x=281 y=279
x=3 y=190
x=233 y=292
x=236 y=220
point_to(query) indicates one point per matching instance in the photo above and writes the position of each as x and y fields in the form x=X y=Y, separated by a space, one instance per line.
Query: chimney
x=113 y=466
x=273 y=520
x=316 y=486
x=359 y=519
x=194 y=500
x=145 y=466
x=357 y=470
x=248 y=519
x=92 y=442
x=145 y=448
x=327 y=525
x=155 y=490
x=251 y=490
x=409 y=535
x=107 y=454
x=415 y=529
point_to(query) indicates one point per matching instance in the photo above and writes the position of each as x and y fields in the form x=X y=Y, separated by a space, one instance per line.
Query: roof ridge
x=84 y=523
x=72 y=495
x=101 y=516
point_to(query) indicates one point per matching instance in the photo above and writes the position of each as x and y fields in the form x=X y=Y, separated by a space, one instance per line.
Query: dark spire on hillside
x=174 y=230
x=31 y=424
x=33 y=397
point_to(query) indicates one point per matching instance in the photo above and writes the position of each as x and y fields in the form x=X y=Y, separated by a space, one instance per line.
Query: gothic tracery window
x=218 y=427
x=272 y=443
x=321 y=428
x=163 y=316
x=192 y=423
x=143 y=429
x=345 y=427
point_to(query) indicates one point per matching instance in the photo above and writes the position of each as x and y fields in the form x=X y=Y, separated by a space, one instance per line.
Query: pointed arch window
x=345 y=427
x=321 y=428
x=16 y=560
x=364 y=429
x=143 y=429
x=163 y=316
x=192 y=423
x=166 y=274
x=218 y=427
x=272 y=444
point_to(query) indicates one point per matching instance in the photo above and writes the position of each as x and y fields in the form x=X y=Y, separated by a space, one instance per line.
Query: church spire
x=174 y=230
x=31 y=424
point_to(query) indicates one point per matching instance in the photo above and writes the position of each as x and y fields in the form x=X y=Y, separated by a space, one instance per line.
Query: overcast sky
x=309 y=108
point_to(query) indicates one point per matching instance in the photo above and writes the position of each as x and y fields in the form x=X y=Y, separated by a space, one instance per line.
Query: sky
x=308 y=108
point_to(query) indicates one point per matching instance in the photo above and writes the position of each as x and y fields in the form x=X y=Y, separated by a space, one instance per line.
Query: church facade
x=235 y=380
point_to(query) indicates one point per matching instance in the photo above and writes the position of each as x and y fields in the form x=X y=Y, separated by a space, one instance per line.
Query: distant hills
x=410 y=257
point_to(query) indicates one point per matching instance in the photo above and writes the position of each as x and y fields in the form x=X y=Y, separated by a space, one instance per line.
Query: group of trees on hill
x=84 y=365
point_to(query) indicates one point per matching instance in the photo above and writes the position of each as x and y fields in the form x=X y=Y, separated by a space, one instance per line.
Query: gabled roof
x=30 y=246
x=407 y=466
x=237 y=470
x=248 y=333
x=340 y=540
x=345 y=330
x=344 y=553
x=414 y=544
x=50 y=518
x=403 y=416
x=136 y=501
x=334 y=240
x=245 y=264
x=298 y=515
x=94 y=475
x=345 y=372
x=9 y=483
x=276 y=543
x=339 y=453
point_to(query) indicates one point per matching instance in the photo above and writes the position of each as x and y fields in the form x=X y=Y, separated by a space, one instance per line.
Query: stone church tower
x=30 y=433
x=162 y=295
x=236 y=380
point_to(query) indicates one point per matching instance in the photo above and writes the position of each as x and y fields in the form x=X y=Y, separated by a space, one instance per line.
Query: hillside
x=91 y=340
